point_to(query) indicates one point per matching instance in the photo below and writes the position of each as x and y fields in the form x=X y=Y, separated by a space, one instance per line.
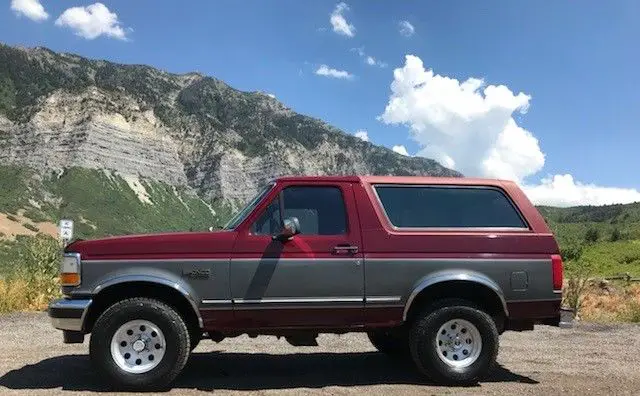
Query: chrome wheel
x=138 y=346
x=458 y=343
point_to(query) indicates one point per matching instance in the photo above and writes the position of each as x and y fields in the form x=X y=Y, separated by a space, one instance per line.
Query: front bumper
x=67 y=314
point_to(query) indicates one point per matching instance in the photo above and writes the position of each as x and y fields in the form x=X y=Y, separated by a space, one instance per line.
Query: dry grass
x=611 y=303
x=19 y=295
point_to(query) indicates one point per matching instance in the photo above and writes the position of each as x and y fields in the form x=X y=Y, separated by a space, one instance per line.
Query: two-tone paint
x=368 y=277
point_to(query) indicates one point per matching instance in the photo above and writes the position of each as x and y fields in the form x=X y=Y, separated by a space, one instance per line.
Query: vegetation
x=32 y=279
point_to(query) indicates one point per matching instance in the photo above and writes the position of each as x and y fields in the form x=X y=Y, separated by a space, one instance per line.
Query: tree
x=592 y=235
x=615 y=235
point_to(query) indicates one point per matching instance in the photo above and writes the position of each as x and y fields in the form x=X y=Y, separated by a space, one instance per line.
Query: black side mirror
x=290 y=227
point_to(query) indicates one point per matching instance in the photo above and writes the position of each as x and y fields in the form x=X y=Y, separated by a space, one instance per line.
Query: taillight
x=556 y=265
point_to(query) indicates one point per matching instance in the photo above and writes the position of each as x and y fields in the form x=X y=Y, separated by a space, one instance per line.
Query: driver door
x=316 y=279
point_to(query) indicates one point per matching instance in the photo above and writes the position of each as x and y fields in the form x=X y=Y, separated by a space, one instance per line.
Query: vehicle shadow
x=244 y=371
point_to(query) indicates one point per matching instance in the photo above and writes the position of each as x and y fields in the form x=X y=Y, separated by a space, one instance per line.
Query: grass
x=33 y=277
x=615 y=302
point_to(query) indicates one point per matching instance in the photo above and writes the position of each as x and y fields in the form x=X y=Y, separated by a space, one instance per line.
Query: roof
x=397 y=180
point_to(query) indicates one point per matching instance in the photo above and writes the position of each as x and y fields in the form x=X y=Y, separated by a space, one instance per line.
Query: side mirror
x=290 y=227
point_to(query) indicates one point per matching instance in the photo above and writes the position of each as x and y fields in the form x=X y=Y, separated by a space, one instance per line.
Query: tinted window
x=320 y=211
x=269 y=222
x=443 y=207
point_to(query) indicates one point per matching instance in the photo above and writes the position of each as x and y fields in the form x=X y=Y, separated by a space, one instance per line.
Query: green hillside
x=604 y=240
x=103 y=203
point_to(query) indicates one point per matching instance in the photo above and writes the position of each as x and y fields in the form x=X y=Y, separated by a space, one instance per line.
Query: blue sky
x=577 y=63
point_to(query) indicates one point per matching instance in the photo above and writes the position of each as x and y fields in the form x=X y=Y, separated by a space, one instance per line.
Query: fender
x=160 y=280
x=459 y=275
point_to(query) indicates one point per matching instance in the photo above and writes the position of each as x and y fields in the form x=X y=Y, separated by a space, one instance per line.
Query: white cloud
x=400 y=149
x=339 y=23
x=563 y=190
x=465 y=125
x=470 y=126
x=406 y=29
x=92 y=21
x=362 y=134
x=327 y=71
x=369 y=60
x=32 y=9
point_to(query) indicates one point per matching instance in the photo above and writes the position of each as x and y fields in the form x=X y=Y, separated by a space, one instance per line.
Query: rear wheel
x=394 y=342
x=454 y=342
x=140 y=344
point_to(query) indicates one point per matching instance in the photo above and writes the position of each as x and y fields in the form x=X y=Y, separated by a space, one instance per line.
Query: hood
x=156 y=246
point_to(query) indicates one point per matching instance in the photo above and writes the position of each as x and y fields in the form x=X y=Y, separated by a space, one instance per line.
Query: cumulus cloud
x=362 y=134
x=400 y=149
x=92 y=21
x=339 y=22
x=563 y=190
x=31 y=9
x=406 y=28
x=470 y=126
x=327 y=71
x=465 y=125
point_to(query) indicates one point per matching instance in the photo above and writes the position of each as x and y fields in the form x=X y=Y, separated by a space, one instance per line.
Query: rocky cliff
x=61 y=111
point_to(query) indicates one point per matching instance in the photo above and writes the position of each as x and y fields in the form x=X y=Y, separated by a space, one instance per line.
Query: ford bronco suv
x=431 y=269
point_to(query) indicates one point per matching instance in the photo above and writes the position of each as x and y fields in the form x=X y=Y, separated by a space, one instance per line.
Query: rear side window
x=448 y=207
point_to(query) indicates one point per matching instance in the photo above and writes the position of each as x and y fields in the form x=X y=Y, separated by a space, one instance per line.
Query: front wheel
x=454 y=342
x=140 y=344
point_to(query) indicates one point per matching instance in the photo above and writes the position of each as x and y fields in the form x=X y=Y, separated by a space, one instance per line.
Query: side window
x=269 y=222
x=320 y=211
x=448 y=207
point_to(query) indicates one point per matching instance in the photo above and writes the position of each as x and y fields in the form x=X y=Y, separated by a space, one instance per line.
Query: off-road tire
x=393 y=342
x=169 y=322
x=424 y=349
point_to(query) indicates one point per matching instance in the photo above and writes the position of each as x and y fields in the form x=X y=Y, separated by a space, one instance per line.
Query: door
x=316 y=279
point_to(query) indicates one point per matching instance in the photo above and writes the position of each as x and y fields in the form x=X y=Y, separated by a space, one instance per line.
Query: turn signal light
x=67 y=279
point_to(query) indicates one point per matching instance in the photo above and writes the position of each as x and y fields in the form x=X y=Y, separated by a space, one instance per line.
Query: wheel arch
x=127 y=286
x=474 y=286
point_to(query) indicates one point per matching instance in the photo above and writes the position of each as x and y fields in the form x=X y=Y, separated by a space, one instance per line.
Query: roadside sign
x=66 y=230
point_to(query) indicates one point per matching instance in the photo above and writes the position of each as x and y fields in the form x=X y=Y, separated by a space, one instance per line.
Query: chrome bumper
x=69 y=314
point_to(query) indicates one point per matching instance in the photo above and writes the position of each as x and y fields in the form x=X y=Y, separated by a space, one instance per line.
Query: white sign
x=66 y=229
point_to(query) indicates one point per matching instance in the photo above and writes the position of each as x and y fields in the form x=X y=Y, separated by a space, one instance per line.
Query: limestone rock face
x=59 y=111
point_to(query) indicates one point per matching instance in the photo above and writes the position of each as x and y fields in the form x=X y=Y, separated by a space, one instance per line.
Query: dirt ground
x=584 y=360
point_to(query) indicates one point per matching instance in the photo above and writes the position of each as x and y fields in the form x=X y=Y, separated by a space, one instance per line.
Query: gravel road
x=584 y=360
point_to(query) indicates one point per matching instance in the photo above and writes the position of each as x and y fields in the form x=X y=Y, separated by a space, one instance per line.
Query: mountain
x=129 y=148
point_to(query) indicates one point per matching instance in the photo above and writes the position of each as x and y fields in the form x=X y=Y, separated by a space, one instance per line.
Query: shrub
x=12 y=218
x=633 y=312
x=592 y=235
x=34 y=279
x=31 y=227
x=577 y=282
x=615 y=235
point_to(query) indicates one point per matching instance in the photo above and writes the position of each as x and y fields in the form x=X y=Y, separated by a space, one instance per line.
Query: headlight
x=70 y=269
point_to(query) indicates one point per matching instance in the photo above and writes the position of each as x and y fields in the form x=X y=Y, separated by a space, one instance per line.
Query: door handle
x=344 y=249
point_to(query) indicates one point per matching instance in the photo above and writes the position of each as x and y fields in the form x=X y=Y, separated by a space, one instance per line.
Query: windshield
x=241 y=215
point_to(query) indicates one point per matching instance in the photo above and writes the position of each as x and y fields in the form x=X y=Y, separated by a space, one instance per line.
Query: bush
x=577 y=282
x=12 y=218
x=615 y=235
x=592 y=235
x=34 y=279
x=31 y=227
x=633 y=312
